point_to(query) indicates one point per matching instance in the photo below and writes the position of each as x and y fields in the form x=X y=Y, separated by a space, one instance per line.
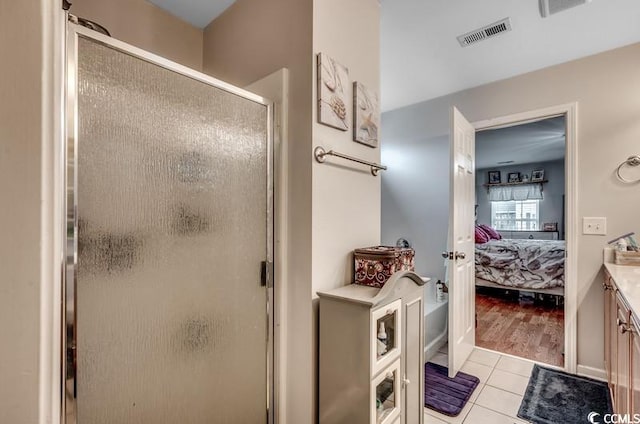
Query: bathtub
x=435 y=321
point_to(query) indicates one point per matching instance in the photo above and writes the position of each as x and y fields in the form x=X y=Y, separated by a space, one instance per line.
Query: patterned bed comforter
x=530 y=264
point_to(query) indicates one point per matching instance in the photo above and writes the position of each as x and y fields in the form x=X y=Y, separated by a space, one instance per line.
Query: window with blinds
x=515 y=215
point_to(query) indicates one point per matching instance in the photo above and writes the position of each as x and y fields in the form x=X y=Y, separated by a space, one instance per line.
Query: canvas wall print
x=366 y=115
x=333 y=82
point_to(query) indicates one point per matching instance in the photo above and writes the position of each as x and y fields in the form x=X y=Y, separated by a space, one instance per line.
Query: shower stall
x=168 y=283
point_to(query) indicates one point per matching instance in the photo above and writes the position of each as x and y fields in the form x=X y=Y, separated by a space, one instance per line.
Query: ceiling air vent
x=485 y=32
x=550 y=7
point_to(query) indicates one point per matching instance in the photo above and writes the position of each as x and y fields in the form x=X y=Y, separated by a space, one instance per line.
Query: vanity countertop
x=627 y=279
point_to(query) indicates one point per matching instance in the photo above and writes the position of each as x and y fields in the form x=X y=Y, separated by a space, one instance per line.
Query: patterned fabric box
x=375 y=265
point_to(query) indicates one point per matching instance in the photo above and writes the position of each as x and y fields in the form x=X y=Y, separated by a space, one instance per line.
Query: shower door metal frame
x=70 y=212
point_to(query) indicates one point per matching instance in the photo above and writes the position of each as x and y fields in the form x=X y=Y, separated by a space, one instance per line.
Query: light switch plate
x=594 y=225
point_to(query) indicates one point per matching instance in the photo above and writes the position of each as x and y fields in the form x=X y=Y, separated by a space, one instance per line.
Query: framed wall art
x=333 y=81
x=494 y=177
x=366 y=115
x=537 y=175
x=513 y=177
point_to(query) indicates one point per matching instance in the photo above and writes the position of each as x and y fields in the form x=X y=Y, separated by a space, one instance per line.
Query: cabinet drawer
x=386 y=319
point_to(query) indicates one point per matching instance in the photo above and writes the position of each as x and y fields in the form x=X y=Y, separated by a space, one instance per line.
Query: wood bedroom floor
x=521 y=327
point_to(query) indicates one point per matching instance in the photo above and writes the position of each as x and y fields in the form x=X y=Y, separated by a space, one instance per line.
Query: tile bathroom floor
x=496 y=400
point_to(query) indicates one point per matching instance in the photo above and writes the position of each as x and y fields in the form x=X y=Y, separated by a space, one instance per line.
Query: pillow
x=492 y=233
x=481 y=236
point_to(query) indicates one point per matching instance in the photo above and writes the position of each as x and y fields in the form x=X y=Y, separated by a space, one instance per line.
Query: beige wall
x=145 y=25
x=346 y=197
x=249 y=41
x=20 y=155
x=607 y=89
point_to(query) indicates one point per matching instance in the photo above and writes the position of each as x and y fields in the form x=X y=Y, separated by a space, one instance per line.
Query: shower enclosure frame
x=70 y=210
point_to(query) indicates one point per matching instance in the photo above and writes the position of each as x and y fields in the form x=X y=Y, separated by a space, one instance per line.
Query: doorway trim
x=570 y=111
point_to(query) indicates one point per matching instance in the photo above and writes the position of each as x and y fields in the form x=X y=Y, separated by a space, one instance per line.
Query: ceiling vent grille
x=550 y=7
x=485 y=32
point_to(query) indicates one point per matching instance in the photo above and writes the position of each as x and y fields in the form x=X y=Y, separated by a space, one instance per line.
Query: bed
x=526 y=265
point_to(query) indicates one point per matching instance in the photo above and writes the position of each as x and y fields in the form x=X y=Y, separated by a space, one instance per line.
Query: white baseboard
x=595 y=373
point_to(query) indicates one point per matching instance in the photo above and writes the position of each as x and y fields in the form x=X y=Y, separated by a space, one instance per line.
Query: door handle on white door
x=460 y=255
x=447 y=255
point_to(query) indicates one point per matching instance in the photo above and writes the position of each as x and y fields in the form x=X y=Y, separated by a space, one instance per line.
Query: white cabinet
x=361 y=380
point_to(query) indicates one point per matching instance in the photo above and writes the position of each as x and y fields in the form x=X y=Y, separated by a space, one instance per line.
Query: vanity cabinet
x=610 y=329
x=364 y=378
x=622 y=374
x=622 y=350
x=610 y=332
x=634 y=391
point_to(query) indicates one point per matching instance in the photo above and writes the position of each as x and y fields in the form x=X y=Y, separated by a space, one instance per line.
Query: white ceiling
x=198 y=13
x=539 y=141
x=421 y=58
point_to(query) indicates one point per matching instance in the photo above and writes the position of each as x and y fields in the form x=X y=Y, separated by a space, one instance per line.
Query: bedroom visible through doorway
x=520 y=239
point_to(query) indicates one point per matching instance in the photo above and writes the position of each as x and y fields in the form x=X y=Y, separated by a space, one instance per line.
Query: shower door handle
x=266 y=274
x=263 y=273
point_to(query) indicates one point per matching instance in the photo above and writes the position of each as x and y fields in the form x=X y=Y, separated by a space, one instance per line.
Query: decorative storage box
x=627 y=258
x=375 y=265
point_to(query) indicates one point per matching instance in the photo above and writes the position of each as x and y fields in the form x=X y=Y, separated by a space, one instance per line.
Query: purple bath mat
x=447 y=395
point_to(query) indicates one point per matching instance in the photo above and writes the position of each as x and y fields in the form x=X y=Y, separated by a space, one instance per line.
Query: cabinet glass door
x=386 y=392
x=386 y=335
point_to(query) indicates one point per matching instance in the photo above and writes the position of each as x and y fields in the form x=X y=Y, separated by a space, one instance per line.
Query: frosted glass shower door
x=172 y=226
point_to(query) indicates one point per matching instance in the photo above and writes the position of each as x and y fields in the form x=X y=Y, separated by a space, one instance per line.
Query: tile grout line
x=493 y=369
x=497 y=412
x=498 y=388
x=504 y=390
x=483 y=385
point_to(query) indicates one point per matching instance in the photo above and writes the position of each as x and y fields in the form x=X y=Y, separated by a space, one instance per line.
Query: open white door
x=461 y=243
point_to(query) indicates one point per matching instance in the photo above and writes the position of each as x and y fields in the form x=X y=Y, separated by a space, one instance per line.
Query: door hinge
x=66 y=5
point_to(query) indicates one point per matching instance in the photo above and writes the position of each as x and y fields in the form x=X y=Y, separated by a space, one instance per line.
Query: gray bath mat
x=555 y=397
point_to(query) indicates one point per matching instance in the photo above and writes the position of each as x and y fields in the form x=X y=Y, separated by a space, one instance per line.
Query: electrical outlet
x=594 y=225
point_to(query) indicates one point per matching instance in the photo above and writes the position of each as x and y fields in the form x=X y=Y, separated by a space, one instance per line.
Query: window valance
x=532 y=191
